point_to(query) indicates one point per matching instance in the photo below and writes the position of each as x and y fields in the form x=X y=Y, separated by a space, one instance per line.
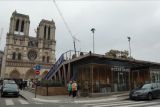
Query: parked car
x=1 y=84
x=9 y=82
x=146 y=91
x=10 y=89
x=0 y=87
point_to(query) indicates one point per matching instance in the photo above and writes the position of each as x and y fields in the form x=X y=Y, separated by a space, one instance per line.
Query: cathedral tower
x=17 y=38
x=23 y=52
x=19 y=24
x=46 y=40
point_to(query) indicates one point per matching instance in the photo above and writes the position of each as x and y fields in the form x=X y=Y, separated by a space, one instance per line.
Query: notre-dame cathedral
x=23 y=52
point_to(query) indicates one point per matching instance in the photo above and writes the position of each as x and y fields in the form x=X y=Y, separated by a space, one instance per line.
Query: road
x=20 y=102
x=125 y=103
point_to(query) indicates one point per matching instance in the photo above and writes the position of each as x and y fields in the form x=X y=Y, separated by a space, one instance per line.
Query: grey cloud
x=113 y=21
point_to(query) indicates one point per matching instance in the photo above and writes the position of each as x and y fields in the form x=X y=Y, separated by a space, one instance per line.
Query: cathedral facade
x=23 y=52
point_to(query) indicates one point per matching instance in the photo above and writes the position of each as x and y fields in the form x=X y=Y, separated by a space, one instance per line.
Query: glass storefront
x=139 y=77
x=105 y=78
x=121 y=78
x=155 y=75
x=84 y=78
x=100 y=78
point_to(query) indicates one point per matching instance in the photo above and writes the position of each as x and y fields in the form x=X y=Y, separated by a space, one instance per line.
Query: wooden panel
x=64 y=72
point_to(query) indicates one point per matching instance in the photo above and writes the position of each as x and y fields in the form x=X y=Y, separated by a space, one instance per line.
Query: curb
x=23 y=97
x=26 y=97
x=123 y=95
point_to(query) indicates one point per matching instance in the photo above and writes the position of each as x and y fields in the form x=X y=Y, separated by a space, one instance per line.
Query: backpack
x=74 y=87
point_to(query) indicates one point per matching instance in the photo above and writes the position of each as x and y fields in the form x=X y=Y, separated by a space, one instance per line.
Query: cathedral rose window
x=32 y=55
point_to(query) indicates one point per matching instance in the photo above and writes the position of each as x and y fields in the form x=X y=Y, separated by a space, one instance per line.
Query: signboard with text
x=38 y=67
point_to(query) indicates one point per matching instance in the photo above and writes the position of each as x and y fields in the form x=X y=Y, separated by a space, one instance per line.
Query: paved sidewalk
x=65 y=99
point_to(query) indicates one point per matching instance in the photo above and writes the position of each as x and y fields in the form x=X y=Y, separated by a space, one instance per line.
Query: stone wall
x=51 y=91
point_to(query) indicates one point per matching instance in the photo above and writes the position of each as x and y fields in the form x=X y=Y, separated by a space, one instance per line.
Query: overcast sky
x=113 y=21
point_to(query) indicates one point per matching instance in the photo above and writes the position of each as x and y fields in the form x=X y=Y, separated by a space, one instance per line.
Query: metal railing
x=71 y=54
x=64 y=57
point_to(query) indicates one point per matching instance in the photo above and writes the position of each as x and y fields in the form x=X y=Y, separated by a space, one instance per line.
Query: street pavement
x=125 y=103
x=15 y=102
x=66 y=99
x=28 y=100
x=20 y=102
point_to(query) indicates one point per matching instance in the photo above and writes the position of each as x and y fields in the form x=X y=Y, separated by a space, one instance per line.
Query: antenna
x=74 y=42
x=67 y=27
x=74 y=38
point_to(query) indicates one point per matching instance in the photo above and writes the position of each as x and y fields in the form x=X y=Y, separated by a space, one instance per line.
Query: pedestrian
x=74 y=89
x=78 y=90
x=20 y=85
x=69 y=86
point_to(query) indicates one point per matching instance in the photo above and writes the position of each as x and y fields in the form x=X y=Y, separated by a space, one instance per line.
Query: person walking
x=74 y=89
x=69 y=86
x=78 y=90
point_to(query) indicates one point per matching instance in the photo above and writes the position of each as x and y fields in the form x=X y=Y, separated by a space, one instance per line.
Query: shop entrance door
x=121 y=80
x=155 y=75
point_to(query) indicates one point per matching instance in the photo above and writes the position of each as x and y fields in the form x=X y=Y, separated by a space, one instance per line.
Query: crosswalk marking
x=38 y=103
x=125 y=104
x=98 y=100
x=117 y=103
x=9 y=102
x=45 y=100
x=154 y=106
x=138 y=105
x=23 y=102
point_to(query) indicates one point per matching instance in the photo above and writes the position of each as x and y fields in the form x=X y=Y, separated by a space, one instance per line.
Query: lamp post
x=93 y=30
x=130 y=73
x=129 y=40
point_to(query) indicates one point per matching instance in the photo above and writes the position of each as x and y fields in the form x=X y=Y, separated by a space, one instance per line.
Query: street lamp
x=93 y=30
x=129 y=39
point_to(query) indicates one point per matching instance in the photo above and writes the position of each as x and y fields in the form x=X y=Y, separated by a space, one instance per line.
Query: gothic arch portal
x=14 y=74
x=30 y=74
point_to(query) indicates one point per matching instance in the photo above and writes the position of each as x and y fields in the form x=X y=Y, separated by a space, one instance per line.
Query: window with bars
x=19 y=56
x=14 y=56
x=43 y=58
x=17 y=25
x=47 y=59
x=48 y=33
x=45 y=32
x=22 y=26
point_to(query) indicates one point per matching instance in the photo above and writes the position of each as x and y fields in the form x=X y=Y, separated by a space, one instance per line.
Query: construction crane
x=74 y=42
x=67 y=27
